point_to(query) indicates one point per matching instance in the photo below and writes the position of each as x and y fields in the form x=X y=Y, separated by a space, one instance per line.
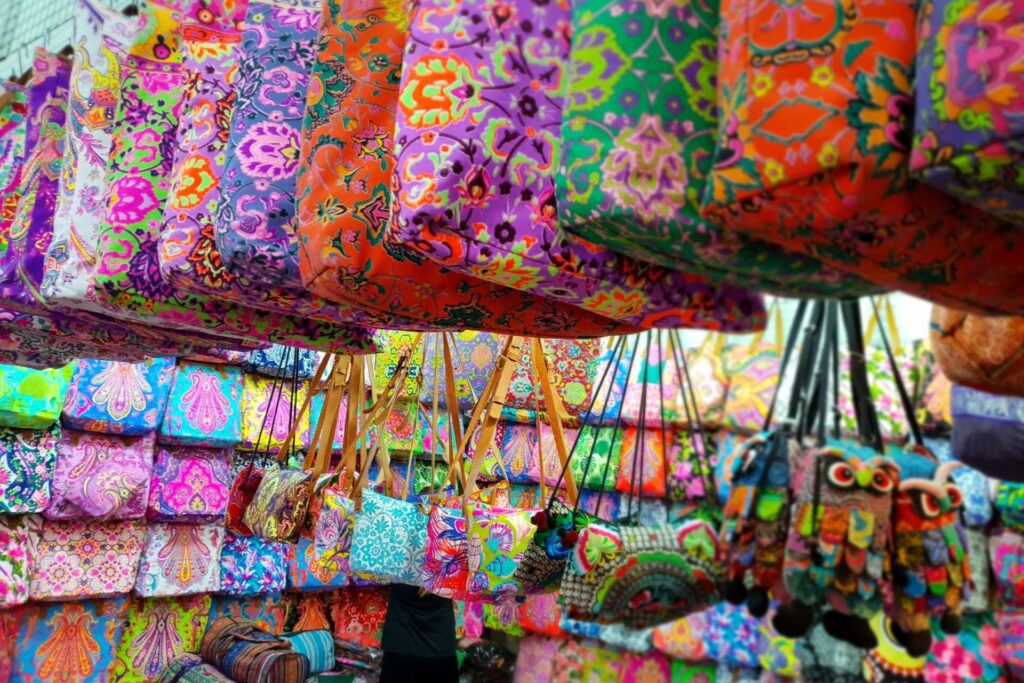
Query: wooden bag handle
x=555 y=408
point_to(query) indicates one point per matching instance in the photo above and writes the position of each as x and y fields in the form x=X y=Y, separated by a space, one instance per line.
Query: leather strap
x=282 y=453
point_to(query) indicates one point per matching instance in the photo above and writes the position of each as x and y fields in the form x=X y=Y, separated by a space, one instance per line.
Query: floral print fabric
x=308 y=572
x=975 y=654
x=892 y=418
x=205 y=406
x=101 y=476
x=281 y=361
x=358 y=615
x=255 y=231
x=27 y=460
x=12 y=138
x=454 y=201
x=831 y=180
x=250 y=565
x=976 y=163
x=497 y=541
x=32 y=399
x=157 y=631
x=638 y=147
x=68 y=641
x=278 y=509
x=572 y=365
x=473 y=357
x=190 y=484
x=180 y=559
x=118 y=398
x=85 y=559
x=445 y=568
x=389 y=540
x=753 y=381
x=14 y=561
x=343 y=255
x=127 y=273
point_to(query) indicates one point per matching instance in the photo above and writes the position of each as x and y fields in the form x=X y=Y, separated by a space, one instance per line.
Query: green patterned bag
x=32 y=399
x=638 y=144
x=157 y=631
x=603 y=447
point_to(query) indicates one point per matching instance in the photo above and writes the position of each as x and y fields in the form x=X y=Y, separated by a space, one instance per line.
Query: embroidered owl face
x=923 y=504
x=844 y=479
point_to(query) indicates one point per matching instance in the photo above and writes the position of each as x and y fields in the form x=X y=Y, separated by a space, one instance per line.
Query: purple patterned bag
x=477 y=146
x=256 y=221
x=190 y=485
x=101 y=476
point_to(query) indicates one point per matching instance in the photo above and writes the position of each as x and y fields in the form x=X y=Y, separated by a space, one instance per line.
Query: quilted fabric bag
x=126 y=275
x=343 y=256
x=157 y=632
x=118 y=398
x=101 y=476
x=610 y=567
x=975 y=163
x=988 y=431
x=180 y=559
x=250 y=565
x=250 y=655
x=468 y=218
x=74 y=560
x=638 y=147
x=975 y=654
x=268 y=409
x=190 y=485
x=27 y=460
x=445 y=569
x=279 y=506
x=68 y=640
x=389 y=540
x=32 y=399
x=189 y=668
x=332 y=535
x=15 y=560
x=358 y=615
x=846 y=198
x=205 y=407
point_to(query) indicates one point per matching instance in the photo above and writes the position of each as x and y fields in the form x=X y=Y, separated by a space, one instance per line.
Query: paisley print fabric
x=392 y=345
x=32 y=399
x=30 y=231
x=190 y=484
x=250 y=565
x=179 y=559
x=158 y=631
x=540 y=613
x=497 y=541
x=753 y=381
x=830 y=179
x=14 y=561
x=358 y=615
x=473 y=357
x=683 y=638
x=12 y=135
x=101 y=476
x=27 y=460
x=454 y=201
x=951 y=151
x=268 y=410
x=205 y=406
x=332 y=535
x=118 y=398
x=127 y=273
x=638 y=147
x=95 y=88
x=85 y=559
x=68 y=641
x=389 y=540
x=255 y=230
x=278 y=509
x=645 y=452
x=520 y=451
x=265 y=611
x=343 y=255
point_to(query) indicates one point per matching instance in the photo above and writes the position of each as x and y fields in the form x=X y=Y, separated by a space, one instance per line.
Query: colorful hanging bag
x=250 y=565
x=179 y=559
x=157 y=631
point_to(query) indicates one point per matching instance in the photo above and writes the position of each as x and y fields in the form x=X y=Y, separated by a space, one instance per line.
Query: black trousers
x=396 y=668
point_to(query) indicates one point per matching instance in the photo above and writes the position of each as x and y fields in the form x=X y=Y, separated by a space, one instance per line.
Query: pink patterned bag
x=180 y=559
x=190 y=485
x=74 y=560
x=101 y=476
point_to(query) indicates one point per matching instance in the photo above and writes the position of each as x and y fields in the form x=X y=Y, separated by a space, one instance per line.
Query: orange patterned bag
x=816 y=101
x=983 y=353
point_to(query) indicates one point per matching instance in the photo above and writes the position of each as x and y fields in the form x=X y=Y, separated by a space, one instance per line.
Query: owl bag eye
x=956 y=497
x=928 y=506
x=882 y=482
x=841 y=475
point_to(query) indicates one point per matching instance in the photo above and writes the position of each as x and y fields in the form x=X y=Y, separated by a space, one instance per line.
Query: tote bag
x=179 y=559
x=343 y=254
x=79 y=559
x=27 y=460
x=980 y=352
x=250 y=565
x=118 y=398
x=976 y=164
x=157 y=631
x=389 y=540
x=126 y=274
x=190 y=485
x=455 y=204
x=205 y=408
x=100 y=476
x=638 y=148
